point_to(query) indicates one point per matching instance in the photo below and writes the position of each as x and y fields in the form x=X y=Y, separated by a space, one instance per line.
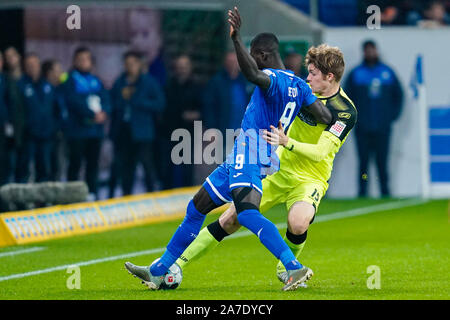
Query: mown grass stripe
x=328 y=217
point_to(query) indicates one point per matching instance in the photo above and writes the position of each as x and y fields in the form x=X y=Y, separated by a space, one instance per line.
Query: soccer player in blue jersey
x=278 y=97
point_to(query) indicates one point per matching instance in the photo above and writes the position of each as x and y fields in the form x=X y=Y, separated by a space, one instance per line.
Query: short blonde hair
x=327 y=59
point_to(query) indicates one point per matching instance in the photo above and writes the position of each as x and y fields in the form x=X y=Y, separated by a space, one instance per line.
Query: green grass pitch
x=409 y=244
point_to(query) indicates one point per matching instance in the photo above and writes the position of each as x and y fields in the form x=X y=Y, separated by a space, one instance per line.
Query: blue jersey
x=283 y=99
x=252 y=157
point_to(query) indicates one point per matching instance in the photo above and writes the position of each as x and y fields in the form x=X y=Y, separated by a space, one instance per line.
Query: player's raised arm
x=247 y=64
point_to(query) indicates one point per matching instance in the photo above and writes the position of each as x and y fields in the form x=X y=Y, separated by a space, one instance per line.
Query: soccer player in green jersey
x=306 y=161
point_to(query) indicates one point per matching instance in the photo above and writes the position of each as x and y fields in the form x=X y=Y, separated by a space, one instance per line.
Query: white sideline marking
x=22 y=251
x=347 y=214
x=81 y=264
x=328 y=217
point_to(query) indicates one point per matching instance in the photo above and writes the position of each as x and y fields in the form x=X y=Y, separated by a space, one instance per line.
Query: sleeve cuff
x=290 y=145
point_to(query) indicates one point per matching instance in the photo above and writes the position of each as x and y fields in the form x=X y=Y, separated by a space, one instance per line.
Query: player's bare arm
x=321 y=113
x=247 y=64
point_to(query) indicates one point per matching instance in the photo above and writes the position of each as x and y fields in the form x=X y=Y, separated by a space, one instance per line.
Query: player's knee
x=246 y=198
x=300 y=217
x=230 y=224
x=298 y=226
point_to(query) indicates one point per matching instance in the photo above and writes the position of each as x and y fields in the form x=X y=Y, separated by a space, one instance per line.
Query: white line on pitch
x=349 y=213
x=328 y=217
x=21 y=251
x=81 y=264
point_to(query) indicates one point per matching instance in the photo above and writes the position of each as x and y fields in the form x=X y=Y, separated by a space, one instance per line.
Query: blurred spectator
x=3 y=122
x=226 y=97
x=15 y=127
x=146 y=37
x=88 y=107
x=392 y=12
x=294 y=62
x=426 y=13
x=52 y=71
x=390 y=15
x=184 y=103
x=13 y=63
x=431 y=15
x=135 y=97
x=378 y=96
x=39 y=101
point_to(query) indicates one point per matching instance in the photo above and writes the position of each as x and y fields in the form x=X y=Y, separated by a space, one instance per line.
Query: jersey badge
x=337 y=128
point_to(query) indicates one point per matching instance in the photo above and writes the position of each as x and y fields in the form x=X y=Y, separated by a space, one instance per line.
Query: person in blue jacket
x=88 y=106
x=226 y=96
x=376 y=90
x=39 y=102
x=53 y=73
x=135 y=96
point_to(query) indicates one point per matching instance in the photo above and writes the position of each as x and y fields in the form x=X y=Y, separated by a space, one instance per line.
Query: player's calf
x=196 y=212
x=295 y=242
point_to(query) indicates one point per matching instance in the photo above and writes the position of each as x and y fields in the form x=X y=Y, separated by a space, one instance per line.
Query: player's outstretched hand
x=234 y=19
x=276 y=136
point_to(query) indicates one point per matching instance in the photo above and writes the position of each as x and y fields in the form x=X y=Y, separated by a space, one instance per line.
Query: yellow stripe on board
x=68 y=220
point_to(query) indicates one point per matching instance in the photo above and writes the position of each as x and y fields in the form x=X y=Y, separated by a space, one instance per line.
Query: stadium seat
x=331 y=12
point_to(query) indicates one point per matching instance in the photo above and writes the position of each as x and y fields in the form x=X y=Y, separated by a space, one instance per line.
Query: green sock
x=296 y=250
x=202 y=244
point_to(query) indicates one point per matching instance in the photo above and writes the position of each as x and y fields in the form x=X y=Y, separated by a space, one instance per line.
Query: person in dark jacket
x=15 y=127
x=88 y=106
x=135 y=98
x=226 y=97
x=39 y=102
x=3 y=123
x=52 y=71
x=184 y=106
x=376 y=90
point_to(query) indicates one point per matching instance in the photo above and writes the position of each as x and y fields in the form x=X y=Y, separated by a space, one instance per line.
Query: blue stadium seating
x=331 y=12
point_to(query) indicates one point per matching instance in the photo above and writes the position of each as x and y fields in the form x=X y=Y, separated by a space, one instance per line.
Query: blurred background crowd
x=99 y=104
x=55 y=121
x=422 y=13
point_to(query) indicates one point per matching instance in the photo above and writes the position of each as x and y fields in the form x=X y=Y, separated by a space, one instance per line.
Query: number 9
x=239 y=161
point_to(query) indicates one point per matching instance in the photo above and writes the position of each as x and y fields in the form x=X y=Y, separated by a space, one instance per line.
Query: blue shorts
x=227 y=177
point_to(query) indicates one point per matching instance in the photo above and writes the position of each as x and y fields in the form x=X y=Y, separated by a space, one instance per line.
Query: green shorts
x=282 y=187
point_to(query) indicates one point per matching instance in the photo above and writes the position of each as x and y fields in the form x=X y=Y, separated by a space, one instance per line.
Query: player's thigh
x=303 y=202
x=272 y=193
x=203 y=201
x=214 y=191
x=245 y=186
